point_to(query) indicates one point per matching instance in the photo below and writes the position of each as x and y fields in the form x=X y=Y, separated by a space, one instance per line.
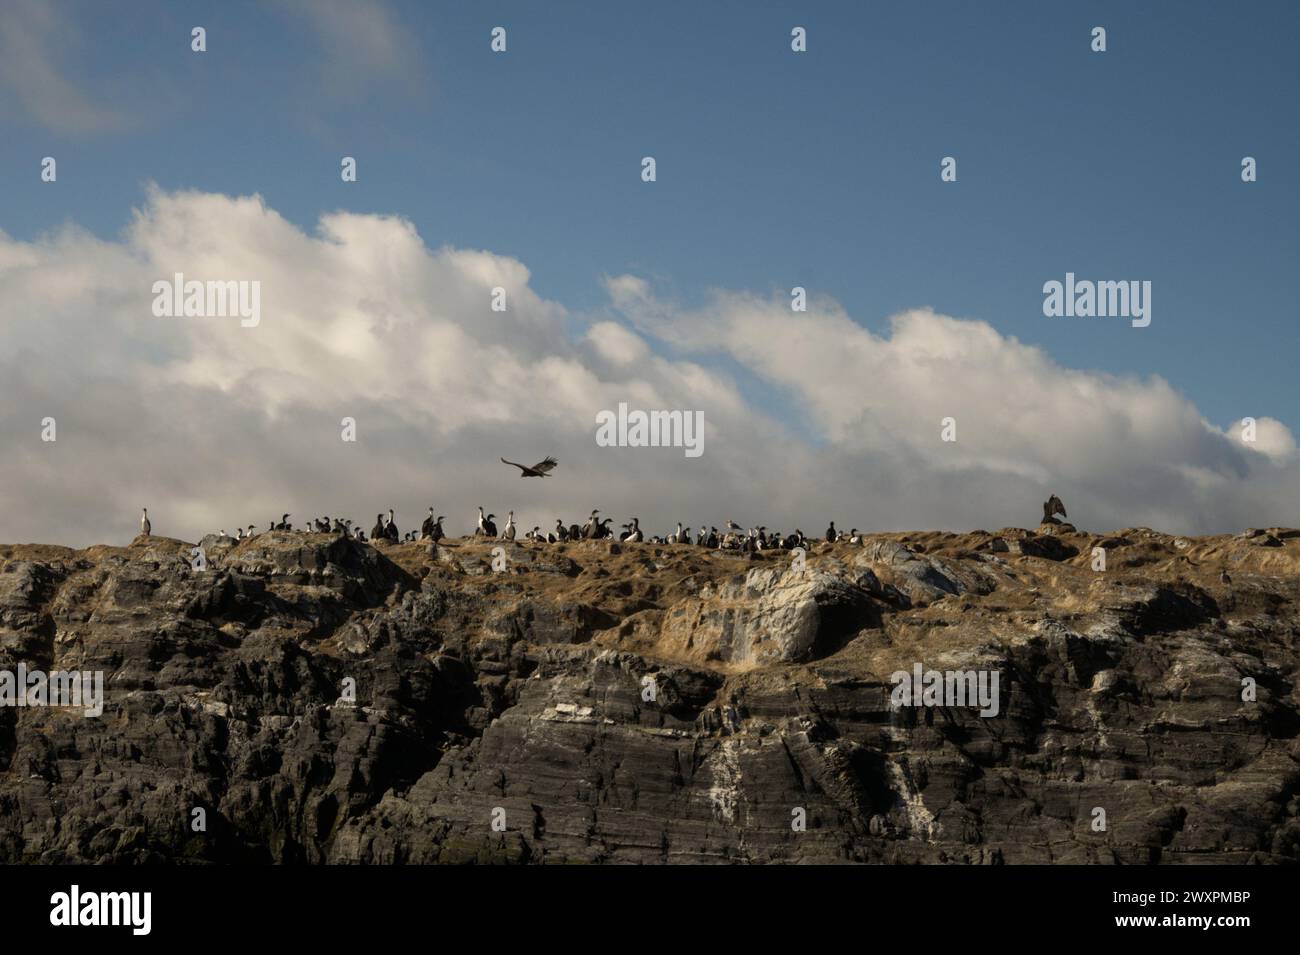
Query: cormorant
x=145 y=526
x=1051 y=507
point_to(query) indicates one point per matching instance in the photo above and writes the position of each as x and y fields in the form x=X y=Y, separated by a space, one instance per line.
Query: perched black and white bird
x=539 y=469
x=145 y=526
x=832 y=535
x=508 y=532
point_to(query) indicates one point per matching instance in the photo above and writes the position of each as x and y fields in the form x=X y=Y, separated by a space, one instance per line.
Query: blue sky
x=774 y=169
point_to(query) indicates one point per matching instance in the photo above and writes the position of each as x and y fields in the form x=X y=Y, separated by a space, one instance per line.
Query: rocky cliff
x=325 y=701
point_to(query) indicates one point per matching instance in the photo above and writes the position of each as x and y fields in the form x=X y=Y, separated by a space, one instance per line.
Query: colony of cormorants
x=734 y=537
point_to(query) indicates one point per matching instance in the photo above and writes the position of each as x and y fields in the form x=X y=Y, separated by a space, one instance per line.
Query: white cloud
x=616 y=344
x=1272 y=439
x=212 y=425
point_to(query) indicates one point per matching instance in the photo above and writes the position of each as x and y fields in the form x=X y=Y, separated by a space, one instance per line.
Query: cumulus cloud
x=808 y=417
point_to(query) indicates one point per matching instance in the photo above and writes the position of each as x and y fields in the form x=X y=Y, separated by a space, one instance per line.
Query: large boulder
x=771 y=616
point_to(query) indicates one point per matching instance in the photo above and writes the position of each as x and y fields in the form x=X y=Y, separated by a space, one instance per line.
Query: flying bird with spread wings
x=539 y=469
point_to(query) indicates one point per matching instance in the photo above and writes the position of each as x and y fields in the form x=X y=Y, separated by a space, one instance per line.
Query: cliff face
x=639 y=703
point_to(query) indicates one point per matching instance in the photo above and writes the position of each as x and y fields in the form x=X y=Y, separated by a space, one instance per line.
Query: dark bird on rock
x=1051 y=507
x=145 y=526
x=377 y=532
x=539 y=469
